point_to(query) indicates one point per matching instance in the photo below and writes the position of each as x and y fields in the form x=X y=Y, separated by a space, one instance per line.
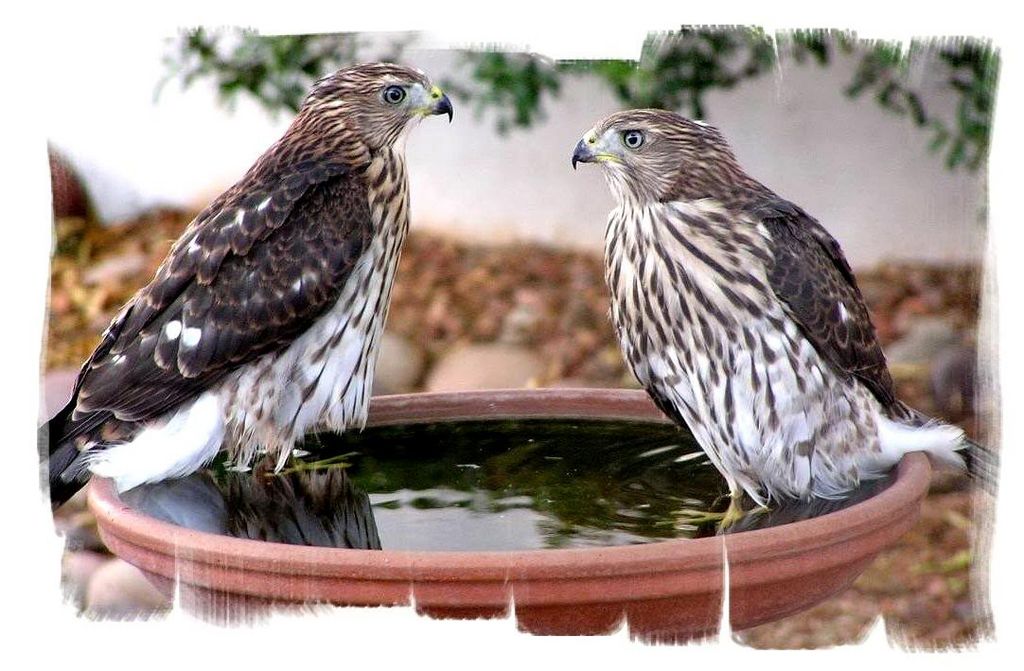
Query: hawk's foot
x=694 y=517
x=733 y=514
x=338 y=461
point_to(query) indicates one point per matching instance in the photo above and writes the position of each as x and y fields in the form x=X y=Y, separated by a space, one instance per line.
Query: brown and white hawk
x=264 y=320
x=739 y=314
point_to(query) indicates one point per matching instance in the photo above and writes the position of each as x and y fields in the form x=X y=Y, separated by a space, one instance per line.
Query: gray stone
x=76 y=504
x=119 y=590
x=115 y=268
x=953 y=379
x=519 y=323
x=77 y=570
x=399 y=366
x=926 y=337
x=57 y=386
x=79 y=530
x=486 y=366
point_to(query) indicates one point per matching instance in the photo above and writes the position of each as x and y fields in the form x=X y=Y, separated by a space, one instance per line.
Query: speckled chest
x=698 y=325
x=705 y=334
x=324 y=377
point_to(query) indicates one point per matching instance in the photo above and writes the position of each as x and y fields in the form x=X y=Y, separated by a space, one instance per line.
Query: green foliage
x=277 y=71
x=675 y=71
x=968 y=68
x=510 y=84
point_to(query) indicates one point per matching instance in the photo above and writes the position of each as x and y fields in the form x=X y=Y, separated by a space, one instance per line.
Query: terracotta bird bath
x=665 y=590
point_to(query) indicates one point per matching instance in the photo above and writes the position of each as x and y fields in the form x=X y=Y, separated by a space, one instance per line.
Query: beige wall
x=864 y=173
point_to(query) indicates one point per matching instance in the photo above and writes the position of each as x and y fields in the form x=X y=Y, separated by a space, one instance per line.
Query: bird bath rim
x=773 y=571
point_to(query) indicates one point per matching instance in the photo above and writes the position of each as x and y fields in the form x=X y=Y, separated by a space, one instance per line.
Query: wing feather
x=249 y=275
x=811 y=276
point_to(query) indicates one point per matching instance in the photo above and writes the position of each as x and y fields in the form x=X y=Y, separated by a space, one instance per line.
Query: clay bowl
x=669 y=590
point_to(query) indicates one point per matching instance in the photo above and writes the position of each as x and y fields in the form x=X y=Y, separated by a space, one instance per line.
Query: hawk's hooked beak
x=591 y=150
x=583 y=153
x=441 y=103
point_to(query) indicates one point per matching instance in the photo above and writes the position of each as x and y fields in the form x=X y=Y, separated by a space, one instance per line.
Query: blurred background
x=501 y=281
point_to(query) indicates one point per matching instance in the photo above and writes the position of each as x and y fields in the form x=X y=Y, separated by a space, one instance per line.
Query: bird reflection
x=472 y=486
x=789 y=511
x=321 y=507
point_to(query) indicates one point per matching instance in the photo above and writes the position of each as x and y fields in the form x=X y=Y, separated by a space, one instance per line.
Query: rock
x=115 y=268
x=69 y=196
x=119 y=590
x=399 y=367
x=487 y=366
x=57 y=386
x=953 y=379
x=521 y=321
x=965 y=611
x=79 y=530
x=77 y=570
x=76 y=504
x=925 y=338
x=946 y=480
x=60 y=301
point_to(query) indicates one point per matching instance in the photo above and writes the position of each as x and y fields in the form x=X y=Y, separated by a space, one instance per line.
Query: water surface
x=481 y=485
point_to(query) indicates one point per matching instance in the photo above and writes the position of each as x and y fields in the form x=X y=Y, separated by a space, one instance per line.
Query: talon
x=733 y=514
x=694 y=517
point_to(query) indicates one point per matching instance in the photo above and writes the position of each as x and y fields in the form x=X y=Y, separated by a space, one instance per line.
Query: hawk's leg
x=338 y=461
x=734 y=513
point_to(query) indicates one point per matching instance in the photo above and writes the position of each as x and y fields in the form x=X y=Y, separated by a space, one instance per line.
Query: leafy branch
x=277 y=71
x=675 y=71
x=969 y=68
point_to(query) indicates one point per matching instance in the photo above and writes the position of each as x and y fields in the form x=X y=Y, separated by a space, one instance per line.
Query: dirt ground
x=928 y=587
x=924 y=587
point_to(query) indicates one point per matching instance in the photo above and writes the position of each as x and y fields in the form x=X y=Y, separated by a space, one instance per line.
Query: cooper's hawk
x=265 y=318
x=742 y=319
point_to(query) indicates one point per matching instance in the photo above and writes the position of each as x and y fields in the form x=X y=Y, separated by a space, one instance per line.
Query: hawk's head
x=381 y=100
x=656 y=155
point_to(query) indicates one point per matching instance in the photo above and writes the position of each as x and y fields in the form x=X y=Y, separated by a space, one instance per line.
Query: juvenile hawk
x=264 y=320
x=740 y=316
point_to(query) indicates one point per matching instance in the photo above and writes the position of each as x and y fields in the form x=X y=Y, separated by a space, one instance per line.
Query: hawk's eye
x=394 y=94
x=632 y=138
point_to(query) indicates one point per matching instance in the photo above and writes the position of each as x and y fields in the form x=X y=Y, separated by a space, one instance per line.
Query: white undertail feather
x=939 y=440
x=184 y=443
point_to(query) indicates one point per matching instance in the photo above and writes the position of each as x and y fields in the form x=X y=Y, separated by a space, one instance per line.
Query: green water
x=482 y=485
x=538 y=484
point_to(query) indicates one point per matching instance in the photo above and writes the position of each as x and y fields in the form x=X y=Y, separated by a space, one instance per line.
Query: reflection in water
x=299 y=508
x=501 y=485
x=496 y=485
x=787 y=512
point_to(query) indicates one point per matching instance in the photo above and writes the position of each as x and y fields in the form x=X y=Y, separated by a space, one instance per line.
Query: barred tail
x=982 y=463
x=58 y=456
